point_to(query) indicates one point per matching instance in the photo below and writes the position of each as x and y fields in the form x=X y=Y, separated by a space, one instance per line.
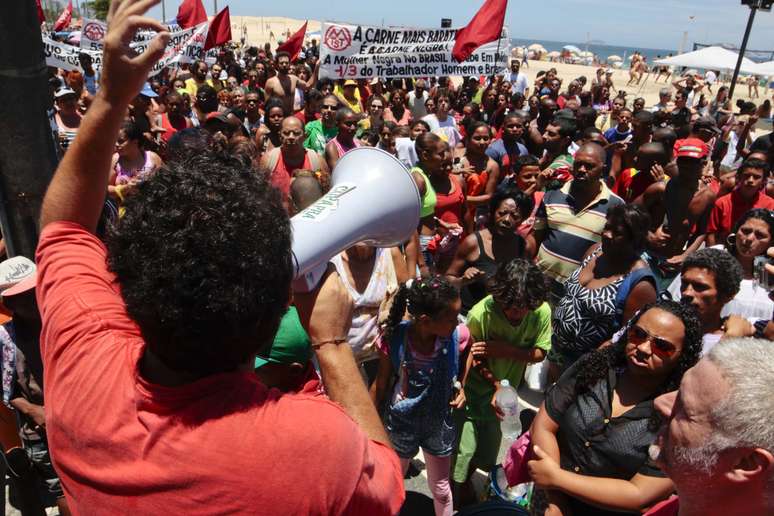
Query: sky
x=634 y=23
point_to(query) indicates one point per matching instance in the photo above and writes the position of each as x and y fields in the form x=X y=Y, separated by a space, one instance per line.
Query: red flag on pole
x=65 y=18
x=220 y=30
x=41 y=15
x=293 y=45
x=191 y=13
x=485 y=26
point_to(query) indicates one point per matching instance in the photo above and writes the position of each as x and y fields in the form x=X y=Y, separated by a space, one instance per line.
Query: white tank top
x=365 y=328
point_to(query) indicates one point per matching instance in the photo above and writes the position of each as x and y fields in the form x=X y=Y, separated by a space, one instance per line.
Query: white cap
x=505 y=383
x=14 y=270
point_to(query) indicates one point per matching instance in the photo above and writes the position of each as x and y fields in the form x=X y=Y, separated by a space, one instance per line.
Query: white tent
x=709 y=58
x=572 y=49
x=764 y=69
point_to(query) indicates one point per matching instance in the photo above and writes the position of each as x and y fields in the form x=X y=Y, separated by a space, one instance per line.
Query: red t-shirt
x=631 y=183
x=730 y=208
x=224 y=444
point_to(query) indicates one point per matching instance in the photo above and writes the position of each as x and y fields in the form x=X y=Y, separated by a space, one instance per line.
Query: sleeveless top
x=429 y=200
x=171 y=128
x=364 y=331
x=472 y=293
x=448 y=207
x=280 y=174
x=340 y=148
x=584 y=318
x=124 y=176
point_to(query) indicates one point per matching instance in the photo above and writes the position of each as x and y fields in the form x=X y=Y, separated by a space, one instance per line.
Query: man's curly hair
x=724 y=267
x=204 y=262
x=518 y=284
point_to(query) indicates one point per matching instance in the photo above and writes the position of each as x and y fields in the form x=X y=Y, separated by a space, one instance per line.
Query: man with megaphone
x=148 y=343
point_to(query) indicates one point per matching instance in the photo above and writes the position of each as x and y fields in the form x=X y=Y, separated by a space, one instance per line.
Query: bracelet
x=337 y=341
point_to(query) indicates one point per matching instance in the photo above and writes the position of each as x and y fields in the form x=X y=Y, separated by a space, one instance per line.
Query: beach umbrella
x=587 y=54
x=612 y=59
x=536 y=47
x=554 y=54
x=616 y=64
x=572 y=48
x=765 y=69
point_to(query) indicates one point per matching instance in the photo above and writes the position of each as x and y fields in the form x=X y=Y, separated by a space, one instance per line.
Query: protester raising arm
x=77 y=191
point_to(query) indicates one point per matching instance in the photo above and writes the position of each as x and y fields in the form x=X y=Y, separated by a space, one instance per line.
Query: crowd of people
x=615 y=251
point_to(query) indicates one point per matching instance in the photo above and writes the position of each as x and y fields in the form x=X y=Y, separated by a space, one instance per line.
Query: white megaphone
x=373 y=200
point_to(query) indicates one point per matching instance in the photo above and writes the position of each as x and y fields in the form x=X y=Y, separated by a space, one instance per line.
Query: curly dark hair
x=524 y=203
x=595 y=365
x=724 y=267
x=518 y=283
x=204 y=262
x=636 y=221
x=428 y=296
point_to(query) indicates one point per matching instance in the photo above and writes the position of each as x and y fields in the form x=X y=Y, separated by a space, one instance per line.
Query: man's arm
x=326 y=313
x=77 y=191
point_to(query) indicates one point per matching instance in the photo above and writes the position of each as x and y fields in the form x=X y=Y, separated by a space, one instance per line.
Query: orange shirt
x=224 y=444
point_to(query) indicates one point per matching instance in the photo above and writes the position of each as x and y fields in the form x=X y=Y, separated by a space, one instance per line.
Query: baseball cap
x=691 y=148
x=349 y=82
x=17 y=275
x=707 y=123
x=147 y=91
x=63 y=92
x=291 y=343
x=374 y=81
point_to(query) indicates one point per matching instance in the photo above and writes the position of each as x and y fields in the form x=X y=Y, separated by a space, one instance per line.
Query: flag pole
x=494 y=73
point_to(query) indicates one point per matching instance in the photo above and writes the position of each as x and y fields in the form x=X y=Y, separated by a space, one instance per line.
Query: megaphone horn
x=373 y=199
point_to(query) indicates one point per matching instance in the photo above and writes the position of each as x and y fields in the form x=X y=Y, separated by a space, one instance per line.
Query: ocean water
x=601 y=50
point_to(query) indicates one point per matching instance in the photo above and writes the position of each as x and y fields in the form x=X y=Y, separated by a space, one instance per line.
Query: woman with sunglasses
x=591 y=436
x=375 y=108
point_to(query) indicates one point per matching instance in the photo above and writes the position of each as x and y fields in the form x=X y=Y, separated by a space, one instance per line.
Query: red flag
x=220 y=30
x=485 y=26
x=41 y=15
x=191 y=13
x=65 y=18
x=293 y=45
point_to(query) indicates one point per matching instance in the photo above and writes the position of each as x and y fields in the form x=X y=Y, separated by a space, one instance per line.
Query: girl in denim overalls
x=422 y=355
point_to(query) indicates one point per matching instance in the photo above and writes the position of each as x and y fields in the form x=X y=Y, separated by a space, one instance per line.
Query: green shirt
x=486 y=321
x=317 y=136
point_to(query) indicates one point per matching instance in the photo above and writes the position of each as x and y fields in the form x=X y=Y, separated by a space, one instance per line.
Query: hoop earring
x=731 y=240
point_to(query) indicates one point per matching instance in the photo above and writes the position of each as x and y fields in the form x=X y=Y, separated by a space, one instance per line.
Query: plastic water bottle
x=508 y=401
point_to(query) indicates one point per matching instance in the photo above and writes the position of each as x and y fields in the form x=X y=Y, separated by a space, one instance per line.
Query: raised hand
x=123 y=70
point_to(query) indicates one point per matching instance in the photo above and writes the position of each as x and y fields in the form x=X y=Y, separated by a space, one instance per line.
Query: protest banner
x=185 y=45
x=363 y=51
x=94 y=31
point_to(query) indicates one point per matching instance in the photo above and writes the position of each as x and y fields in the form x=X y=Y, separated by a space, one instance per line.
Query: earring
x=731 y=240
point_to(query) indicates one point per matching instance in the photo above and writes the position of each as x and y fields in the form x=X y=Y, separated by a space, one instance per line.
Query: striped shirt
x=570 y=232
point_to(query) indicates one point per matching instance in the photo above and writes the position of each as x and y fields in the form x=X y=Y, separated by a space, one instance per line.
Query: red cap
x=691 y=148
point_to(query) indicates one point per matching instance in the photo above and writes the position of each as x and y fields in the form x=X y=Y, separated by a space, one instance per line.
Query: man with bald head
x=280 y=162
x=571 y=219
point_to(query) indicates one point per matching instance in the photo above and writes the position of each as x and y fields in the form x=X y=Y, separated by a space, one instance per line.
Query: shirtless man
x=283 y=85
x=679 y=210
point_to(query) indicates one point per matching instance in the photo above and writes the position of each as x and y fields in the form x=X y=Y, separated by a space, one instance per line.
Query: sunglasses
x=660 y=347
x=326 y=108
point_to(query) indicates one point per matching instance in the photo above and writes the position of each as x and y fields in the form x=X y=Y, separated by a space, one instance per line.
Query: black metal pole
x=28 y=152
x=753 y=9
